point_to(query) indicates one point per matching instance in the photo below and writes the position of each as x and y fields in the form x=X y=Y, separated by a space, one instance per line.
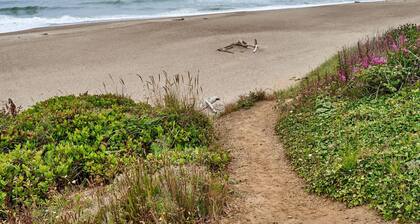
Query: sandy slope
x=269 y=190
x=77 y=59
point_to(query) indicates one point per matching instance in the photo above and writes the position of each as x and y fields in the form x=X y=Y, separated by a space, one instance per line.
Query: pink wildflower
x=365 y=62
x=402 y=40
x=378 y=60
x=394 y=46
x=355 y=70
x=342 y=75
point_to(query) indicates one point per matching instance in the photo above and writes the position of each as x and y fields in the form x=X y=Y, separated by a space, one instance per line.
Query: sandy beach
x=38 y=64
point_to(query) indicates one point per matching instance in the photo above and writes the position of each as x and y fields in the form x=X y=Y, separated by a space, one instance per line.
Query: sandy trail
x=269 y=190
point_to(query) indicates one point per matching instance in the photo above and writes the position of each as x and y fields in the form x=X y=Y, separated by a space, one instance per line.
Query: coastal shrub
x=247 y=101
x=88 y=140
x=351 y=127
x=385 y=64
x=359 y=151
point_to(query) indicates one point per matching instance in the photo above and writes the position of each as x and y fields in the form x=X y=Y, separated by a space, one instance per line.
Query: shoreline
x=187 y=15
x=38 y=64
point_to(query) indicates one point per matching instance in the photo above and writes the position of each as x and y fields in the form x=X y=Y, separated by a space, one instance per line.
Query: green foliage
x=357 y=140
x=215 y=159
x=360 y=151
x=402 y=68
x=247 y=101
x=73 y=140
x=410 y=32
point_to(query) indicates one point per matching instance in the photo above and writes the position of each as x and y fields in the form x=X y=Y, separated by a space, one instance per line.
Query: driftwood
x=240 y=43
x=213 y=105
x=208 y=103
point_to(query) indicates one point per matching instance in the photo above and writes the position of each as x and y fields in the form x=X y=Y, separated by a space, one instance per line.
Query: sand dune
x=76 y=59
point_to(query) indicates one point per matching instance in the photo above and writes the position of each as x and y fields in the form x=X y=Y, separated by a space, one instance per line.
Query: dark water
x=26 y=14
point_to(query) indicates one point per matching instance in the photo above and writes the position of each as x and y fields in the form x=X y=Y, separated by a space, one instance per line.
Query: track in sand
x=269 y=190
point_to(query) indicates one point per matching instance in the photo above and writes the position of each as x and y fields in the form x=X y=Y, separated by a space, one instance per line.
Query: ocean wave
x=25 y=10
x=106 y=2
x=12 y=23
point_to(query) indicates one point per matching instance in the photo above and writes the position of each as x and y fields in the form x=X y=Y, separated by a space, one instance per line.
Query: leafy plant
x=88 y=140
x=247 y=101
x=352 y=131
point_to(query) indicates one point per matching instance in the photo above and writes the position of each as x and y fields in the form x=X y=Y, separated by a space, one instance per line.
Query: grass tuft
x=171 y=194
x=247 y=101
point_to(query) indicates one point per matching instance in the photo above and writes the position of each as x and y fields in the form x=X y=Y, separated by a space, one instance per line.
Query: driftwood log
x=240 y=43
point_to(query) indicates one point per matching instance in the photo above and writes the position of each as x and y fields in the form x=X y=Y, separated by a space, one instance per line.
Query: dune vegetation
x=351 y=127
x=151 y=163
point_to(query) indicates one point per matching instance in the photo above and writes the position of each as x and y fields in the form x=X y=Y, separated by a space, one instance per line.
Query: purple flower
x=373 y=60
x=365 y=62
x=394 y=46
x=355 y=69
x=378 y=60
x=402 y=40
x=342 y=75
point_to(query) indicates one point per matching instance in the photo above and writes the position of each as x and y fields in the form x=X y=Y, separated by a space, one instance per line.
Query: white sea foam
x=10 y=23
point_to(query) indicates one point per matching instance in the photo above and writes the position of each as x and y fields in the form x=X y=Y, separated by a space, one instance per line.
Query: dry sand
x=76 y=59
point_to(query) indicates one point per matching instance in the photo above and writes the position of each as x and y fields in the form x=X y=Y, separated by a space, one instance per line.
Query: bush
x=352 y=132
x=402 y=68
x=385 y=64
x=247 y=101
x=80 y=140
x=359 y=151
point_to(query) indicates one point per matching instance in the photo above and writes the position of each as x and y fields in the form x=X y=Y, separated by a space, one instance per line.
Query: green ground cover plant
x=248 y=100
x=351 y=128
x=72 y=142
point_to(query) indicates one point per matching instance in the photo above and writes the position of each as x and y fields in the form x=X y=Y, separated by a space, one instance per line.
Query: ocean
x=16 y=15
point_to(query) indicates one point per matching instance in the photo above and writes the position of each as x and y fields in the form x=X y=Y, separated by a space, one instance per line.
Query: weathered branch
x=240 y=43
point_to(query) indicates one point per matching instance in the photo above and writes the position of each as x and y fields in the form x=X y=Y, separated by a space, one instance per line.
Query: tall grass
x=170 y=194
x=177 y=91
